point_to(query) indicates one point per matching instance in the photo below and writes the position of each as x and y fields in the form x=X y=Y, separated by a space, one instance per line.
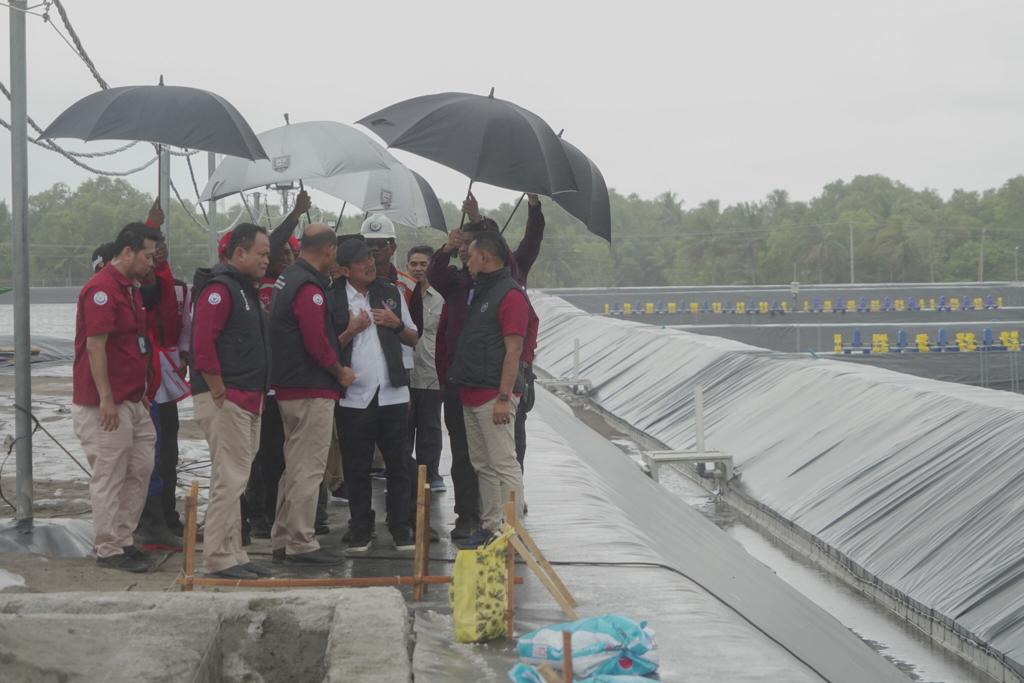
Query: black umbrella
x=487 y=139
x=434 y=211
x=169 y=115
x=590 y=204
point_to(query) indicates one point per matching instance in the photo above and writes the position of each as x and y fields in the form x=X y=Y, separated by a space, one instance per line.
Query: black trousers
x=425 y=429
x=467 y=492
x=525 y=406
x=169 y=460
x=385 y=428
x=267 y=466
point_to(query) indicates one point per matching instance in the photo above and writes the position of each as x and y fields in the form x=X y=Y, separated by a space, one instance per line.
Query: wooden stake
x=525 y=537
x=548 y=674
x=422 y=538
x=510 y=570
x=544 y=578
x=191 y=522
x=567 y=674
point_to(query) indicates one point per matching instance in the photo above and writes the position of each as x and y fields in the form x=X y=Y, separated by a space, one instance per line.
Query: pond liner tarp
x=917 y=481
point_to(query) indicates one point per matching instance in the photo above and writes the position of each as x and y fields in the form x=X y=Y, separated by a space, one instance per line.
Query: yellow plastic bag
x=477 y=591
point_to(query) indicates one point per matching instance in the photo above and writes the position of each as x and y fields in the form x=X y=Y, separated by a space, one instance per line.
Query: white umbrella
x=301 y=151
x=398 y=193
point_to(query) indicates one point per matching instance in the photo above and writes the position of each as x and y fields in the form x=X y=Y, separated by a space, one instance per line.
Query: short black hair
x=134 y=235
x=424 y=249
x=103 y=254
x=493 y=243
x=244 y=236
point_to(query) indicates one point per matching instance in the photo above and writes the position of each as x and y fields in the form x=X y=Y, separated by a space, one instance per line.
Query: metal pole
x=698 y=409
x=19 y=243
x=211 y=230
x=1016 y=274
x=981 y=258
x=852 y=279
x=165 y=193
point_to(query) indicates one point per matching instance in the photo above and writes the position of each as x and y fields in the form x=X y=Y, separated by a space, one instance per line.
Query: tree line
x=898 y=234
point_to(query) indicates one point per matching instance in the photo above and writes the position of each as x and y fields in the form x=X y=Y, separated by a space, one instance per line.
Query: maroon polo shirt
x=110 y=304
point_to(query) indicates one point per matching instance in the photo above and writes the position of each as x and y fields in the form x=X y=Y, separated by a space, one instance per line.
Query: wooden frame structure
x=421 y=558
x=519 y=542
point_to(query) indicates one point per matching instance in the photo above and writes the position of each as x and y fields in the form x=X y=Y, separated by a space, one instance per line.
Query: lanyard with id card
x=140 y=336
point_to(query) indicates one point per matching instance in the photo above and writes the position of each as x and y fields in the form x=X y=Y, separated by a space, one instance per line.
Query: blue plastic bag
x=524 y=673
x=610 y=644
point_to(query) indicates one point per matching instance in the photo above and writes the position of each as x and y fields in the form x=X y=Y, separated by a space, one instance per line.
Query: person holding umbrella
x=231 y=344
x=455 y=284
x=110 y=409
x=307 y=377
x=488 y=373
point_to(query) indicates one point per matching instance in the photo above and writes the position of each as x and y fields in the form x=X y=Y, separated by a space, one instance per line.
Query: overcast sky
x=722 y=99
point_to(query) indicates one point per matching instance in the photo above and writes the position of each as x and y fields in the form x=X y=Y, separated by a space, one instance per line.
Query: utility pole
x=211 y=228
x=852 y=279
x=1016 y=274
x=19 y=255
x=981 y=257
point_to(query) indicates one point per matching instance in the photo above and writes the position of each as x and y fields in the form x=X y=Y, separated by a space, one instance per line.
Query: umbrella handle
x=514 y=209
x=302 y=188
x=463 y=221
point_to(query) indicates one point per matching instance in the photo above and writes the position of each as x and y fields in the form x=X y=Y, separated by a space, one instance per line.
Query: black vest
x=243 y=347
x=480 y=352
x=292 y=366
x=383 y=294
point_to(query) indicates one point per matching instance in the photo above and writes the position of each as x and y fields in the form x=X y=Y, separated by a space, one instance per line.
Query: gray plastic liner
x=916 y=482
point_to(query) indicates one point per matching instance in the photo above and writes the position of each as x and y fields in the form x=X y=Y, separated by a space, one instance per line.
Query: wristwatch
x=503 y=397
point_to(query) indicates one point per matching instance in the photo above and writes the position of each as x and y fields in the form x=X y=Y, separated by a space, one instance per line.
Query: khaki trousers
x=234 y=437
x=492 y=451
x=121 y=463
x=308 y=423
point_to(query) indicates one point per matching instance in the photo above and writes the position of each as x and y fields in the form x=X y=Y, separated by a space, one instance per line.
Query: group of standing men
x=302 y=357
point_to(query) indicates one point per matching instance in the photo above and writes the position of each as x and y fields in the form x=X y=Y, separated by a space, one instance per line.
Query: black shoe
x=239 y=571
x=437 y=484
x=378 y=473
x=464 y=527
x=277 y=557
x=526 y=508
x=321 y=529
x=475 y=540
x=257 y=569
x=404 y=539
x=357 y=542
x=315 y=557
x=260 y=527
x=341 y=493
x=136 y=553
x=153 y=531
x=124 y=563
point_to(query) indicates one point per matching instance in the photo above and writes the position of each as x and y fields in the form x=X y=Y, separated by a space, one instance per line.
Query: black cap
x=351 y=249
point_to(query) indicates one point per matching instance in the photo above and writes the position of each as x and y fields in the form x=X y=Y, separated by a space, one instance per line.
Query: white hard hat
x=377 y=226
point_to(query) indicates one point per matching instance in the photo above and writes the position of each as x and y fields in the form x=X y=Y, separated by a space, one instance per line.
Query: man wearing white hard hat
x=380 y=236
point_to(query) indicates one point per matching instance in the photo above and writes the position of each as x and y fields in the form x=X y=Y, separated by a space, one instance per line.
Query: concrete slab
x=311 y=635
x=81 y=647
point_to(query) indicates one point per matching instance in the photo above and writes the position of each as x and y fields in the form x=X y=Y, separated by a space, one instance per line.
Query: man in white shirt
x=374 y=410
x=425 y=390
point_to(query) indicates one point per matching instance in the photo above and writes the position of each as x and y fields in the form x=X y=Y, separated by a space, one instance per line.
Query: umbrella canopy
x=164 y=114
x=398 y=193
x=590 y=204
x=300 y=151
x=487 y=139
